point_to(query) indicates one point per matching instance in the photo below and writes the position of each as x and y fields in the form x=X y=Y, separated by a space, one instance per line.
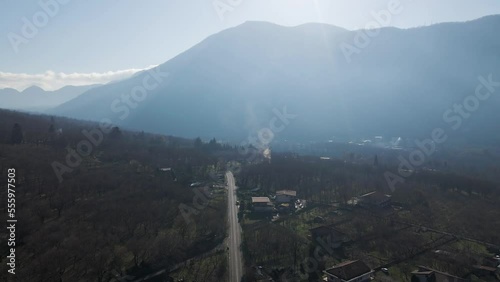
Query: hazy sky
x=95 y=38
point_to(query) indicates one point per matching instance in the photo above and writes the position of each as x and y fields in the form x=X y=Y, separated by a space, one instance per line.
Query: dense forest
x=123 y=207
x=98 y=203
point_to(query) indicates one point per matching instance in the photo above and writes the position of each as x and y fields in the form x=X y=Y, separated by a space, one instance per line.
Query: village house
x=349 y=271
x=262 y=204
x=489 y=267
x=492 y=262
x=426 y=274
x=374 y=199
x=484 y=271
x=285 y=196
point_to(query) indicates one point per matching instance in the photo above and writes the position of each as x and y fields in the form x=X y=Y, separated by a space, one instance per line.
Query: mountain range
x=35 y=98
x=232 y=84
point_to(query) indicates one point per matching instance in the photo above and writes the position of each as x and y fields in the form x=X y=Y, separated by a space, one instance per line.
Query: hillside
x=115 y=212
x=401 y=84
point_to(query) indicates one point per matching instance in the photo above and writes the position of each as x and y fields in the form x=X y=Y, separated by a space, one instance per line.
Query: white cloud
x=52 y=81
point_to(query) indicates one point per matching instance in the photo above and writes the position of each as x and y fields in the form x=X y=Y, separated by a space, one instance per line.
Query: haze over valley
x=230 y=83
x=250 y=141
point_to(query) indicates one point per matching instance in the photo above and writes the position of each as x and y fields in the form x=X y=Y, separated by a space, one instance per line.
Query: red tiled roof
x=260 y=200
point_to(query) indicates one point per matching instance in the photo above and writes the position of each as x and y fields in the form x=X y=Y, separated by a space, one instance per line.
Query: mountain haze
x=400 y=84
x=35 y=98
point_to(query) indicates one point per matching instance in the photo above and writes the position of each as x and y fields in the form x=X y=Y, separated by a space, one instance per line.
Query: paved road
x=234 y=242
